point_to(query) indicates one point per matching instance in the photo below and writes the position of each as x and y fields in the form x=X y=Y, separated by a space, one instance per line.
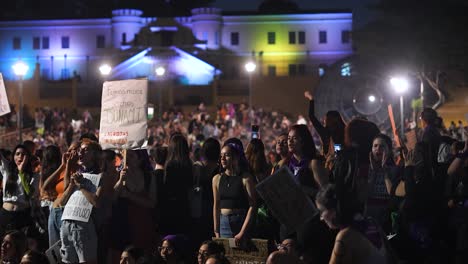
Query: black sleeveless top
x=232 y=194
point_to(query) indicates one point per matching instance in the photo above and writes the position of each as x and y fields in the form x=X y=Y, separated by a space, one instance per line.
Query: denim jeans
x=230 y=225
x=54 y=224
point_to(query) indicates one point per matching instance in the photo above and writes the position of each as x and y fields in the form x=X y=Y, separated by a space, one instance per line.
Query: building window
x=124 y=38
x=322 y=37
x=16 y=43
x=345 y=36
x=36 y=43
x=321 y=71
x=292 y=37
x=135 y=39
x=100 y=41
x=292 y=69
x=167 y=38
x=301 y=69
x=234 y=38
x=45 y=73
x=45 y=42
x=271 y=38
x=65 y=42
x=346 y=69
x=271 y=70
x=301 y=35
x=216 y=38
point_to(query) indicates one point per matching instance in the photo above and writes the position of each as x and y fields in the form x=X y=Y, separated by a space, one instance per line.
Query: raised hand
x=308 y=95
x=23 y=163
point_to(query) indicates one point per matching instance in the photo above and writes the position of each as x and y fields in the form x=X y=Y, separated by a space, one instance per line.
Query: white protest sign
x=4 y=105
x=123 y=114
x=78 y=208
x=286 y=200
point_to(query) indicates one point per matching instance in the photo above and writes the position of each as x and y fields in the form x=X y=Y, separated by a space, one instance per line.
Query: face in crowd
x=202 y=253
x=228 y=158
x=126 y=258
x=379 y=149
x=327 y=215
x=282 y=145
x=21 y=155
x=166 y=251
x=294 y=142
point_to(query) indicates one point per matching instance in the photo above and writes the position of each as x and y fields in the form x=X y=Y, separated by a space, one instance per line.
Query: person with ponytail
x=20 y=190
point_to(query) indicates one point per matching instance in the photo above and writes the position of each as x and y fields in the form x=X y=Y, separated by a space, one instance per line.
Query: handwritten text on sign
x=123 y=114
x=4 y=105
x=78 y=208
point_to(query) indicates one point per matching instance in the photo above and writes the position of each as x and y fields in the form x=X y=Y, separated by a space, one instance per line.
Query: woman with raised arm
x=56 y=183
x=20 y=190
x=234 y=196
x=332 y=131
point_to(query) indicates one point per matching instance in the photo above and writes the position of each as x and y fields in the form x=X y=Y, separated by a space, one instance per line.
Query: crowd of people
x=378 y=199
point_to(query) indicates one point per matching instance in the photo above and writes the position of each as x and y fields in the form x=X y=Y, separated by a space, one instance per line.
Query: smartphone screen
x=255 y=132
x=337 y=147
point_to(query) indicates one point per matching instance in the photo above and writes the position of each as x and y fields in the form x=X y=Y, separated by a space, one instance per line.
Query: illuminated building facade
x=194 y=50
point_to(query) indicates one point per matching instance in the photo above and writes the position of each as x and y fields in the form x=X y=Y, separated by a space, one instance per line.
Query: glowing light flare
x=399 y=84
x=105 y=69
x=20 y=69
x=160 y=71
x=250 y=67
x=371 y=98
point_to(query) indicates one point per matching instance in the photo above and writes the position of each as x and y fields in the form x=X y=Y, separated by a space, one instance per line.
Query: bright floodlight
x=371 y=98
x=250 y=67
x=160 y=71
x=20 y=69
x=105 y=69
x=399 y=84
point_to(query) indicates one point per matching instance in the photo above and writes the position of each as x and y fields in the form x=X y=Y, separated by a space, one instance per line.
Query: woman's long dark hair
x=336 y=126
x=19 y=243
x=178 y=154
x=51 y=160
x=178 y=150
x=308 y=146
x=11 y=185
x=255 y=154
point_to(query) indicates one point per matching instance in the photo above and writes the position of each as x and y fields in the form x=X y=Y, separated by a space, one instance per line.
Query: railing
x=9 y=140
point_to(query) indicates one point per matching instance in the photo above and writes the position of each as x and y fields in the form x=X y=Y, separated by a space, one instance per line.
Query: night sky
x=56 y=9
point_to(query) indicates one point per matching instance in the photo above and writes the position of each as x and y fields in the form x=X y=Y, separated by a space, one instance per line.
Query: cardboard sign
x=4 y=105
x=394 y=129
x=286 y=200
x=53 y=253
x=78 y=208
x=123 y=114
x=255 y=251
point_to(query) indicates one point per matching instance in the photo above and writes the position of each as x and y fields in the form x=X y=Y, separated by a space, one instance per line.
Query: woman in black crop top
x=234 y=196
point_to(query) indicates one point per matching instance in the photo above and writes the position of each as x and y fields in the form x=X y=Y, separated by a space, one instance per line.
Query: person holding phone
x=332 y=131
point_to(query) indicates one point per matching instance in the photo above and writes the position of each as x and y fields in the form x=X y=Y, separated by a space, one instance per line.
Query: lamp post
x=20 y=69
x=401 y=86
x=160 y=71
x=250 y=68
